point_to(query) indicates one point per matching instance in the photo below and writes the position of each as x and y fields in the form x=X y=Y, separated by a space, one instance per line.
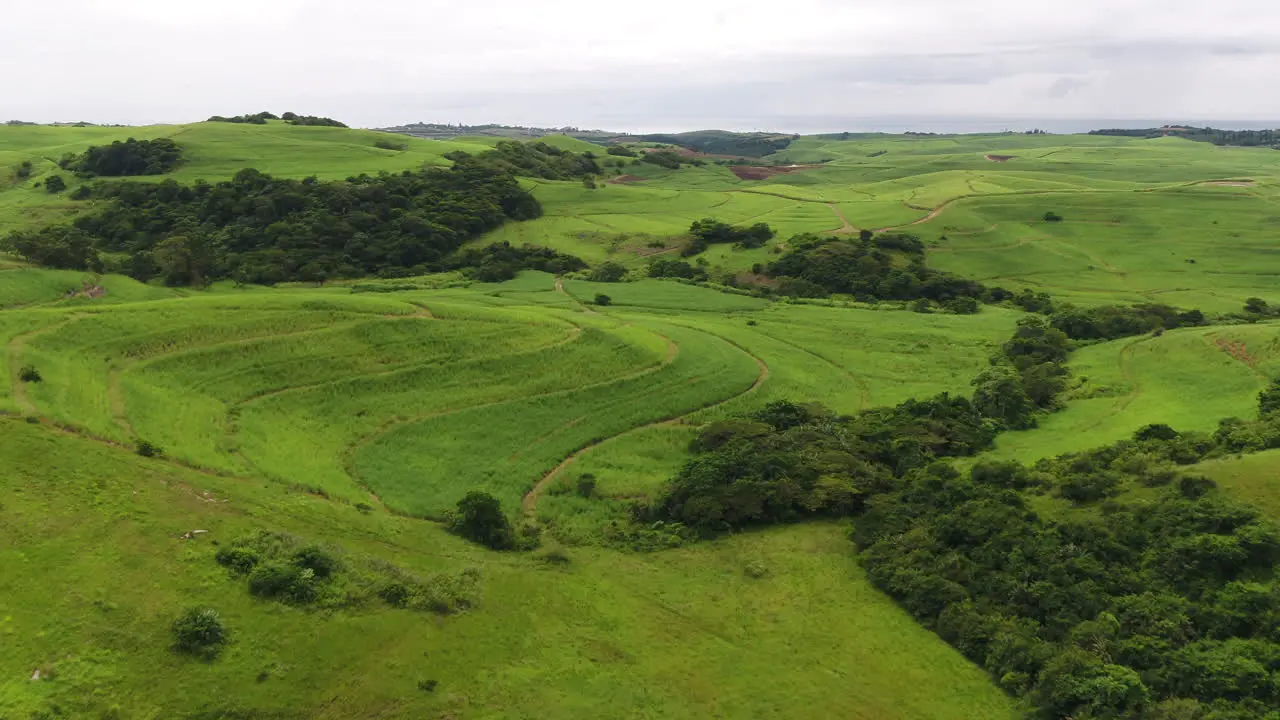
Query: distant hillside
x=1244 y=138
x=711 y=142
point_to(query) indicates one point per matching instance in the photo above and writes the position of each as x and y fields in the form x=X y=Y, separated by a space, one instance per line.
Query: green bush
x=240 y=559
x=586 y=485
x=55 y=184
x=199 y=631
x=148 y=449
x=602 y=299
x=385 y=144
x=29 y=374
x=288 y=583
x=315 y=559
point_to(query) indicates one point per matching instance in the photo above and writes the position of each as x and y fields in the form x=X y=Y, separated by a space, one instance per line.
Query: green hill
x=292 y=456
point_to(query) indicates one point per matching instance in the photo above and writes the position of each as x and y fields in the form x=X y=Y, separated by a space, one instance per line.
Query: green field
x=356 y=414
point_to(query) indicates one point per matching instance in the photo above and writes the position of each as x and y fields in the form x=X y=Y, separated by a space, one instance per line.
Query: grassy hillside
x=212 y=151
x=267 y=391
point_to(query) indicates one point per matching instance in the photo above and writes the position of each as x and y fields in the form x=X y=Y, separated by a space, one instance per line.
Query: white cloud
x=664 y=63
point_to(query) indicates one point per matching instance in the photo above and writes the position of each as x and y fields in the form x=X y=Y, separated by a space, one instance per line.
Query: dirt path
x=530 y=502
x=846 y=227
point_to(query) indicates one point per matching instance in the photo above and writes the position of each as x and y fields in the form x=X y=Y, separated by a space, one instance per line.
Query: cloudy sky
x=797 y=65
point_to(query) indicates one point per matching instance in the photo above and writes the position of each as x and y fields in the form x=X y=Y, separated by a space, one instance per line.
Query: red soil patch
x=1001 y=158
x=624 y=179
x=1237 y=350
x=762 y=172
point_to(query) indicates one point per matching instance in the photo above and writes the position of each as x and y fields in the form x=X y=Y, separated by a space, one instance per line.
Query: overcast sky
x=794 y=65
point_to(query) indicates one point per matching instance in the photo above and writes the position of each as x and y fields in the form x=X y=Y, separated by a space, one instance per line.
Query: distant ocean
x=946 y=125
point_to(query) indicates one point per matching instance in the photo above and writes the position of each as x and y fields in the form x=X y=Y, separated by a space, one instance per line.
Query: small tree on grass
x=1256 y=306
x=602 y=299
x=149 y=449
x=200 y=632
x=1052 y=216
x=55 y=184
x=29 y=374
x=479 y=518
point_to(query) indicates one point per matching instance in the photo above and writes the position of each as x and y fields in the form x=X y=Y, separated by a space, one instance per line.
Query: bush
x=199 y=631
x=384 y=144
x=479 y=518
x=602 y=299
x=24 y=170
x=621 y=151
x=313 y=558
x=288 y=583
x=147 y=449
x=586 y=485
x=55 y=184
x=239 y=559
x=29 y=374
x=608 y=272
x=1052 y=216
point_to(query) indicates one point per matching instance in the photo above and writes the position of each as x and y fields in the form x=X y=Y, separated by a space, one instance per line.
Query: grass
x=686 y=634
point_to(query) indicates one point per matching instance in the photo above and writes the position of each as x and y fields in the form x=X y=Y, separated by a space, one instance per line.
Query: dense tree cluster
x=708 y=231
x=621 y=151
x=676 y=269
x=121 y=159
x=887 y=266
x=1159 y=608
x=500 y=262
x=296 y=119
x=721 y=142
x=536 y=159
x=668 y=159
x=255 y=119
x=256 y=228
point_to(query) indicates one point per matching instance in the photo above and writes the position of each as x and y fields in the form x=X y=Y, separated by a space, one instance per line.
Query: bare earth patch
x=1237 y=350
x=763 y=172
x=1001 y=158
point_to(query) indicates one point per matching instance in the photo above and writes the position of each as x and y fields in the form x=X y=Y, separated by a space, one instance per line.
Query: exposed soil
x=89 y=291
x=1001 y=158
x=1237 y=350
x=763 y=172
x=624 y=179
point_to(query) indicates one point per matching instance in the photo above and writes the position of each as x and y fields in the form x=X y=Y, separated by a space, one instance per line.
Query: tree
x=602 y=300
x=1269 y=399
x=1052 y=216
x=608 y=272
x=1000 y=395
x=54 y=184
x=621 y=151
x=479 y=518
x=1256 y=306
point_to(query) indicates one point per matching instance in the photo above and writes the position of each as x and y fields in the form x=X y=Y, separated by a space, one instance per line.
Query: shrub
x=148 y=449
x=621 y=151
x=586 y=485
x=24 y=170
x=278 y=581
x=55 y=184
x=29 y=374
x=384 y=144
x=199 y=631
x=315 y=559
x=428 y=685
x=239 y=559
x=608 y=272
x=479 y=518
x=602 y=299
x=1052 y=216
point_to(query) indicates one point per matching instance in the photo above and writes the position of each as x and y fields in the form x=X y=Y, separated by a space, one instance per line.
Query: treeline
x=1245 y=138
x=1161 y=608
x=289 y=117
x=887 y=266
x=719 y=142
x=258 y=229
x=535 y=159
x=128 y=158
x=707 y=232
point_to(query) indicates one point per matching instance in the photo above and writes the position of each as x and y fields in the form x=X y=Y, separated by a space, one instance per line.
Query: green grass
x=91 y=534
